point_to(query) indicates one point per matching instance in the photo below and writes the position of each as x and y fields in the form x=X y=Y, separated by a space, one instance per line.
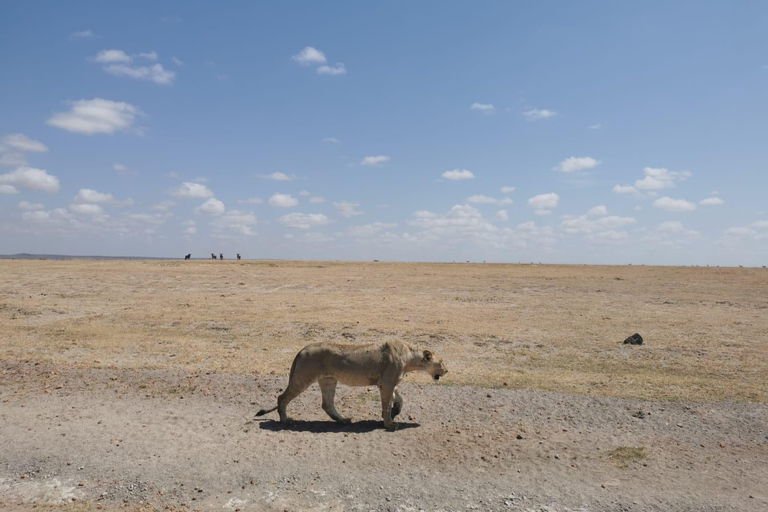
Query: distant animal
x=238 y=256
x=741 y=266
x=221 y=256
x=213 y=256
x=187 y=256
x=382 y=365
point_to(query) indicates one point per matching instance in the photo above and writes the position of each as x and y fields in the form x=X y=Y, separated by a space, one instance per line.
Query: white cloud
x=507 y=190
x=338 y=69
x=85 y=34
x=8 y=189
x=309 y=55
x=595 y=126
x=482 y=199
x=741 y=232
x=164 y=206
x=26 y=205
x=189 y=190
x=672 y=233
x=347 y=209
x=576 y=163
x=251 y=200
x=331 y=140
x=604 y=227
x=111 y=56
x=96 y=116
x=123 y=170
x=278 y=176
x=375 y=160
x=155 y=73
x=674 y=205
x=457 y=175
x=86 y=209
x=235 y=222
x=87 y=195
x=177 y=61
x=33 y=179
x=624 y=189
x=598 y=210
x=317 y=199
x=542 y=211
x=12 y=159
x=535 y=114
x=660 y=178
x=711 y=201
x=486 y=108
x=148 y=55
x=502 y=215
x=761 y=224
x=302 y=220
x=172 y=175
x=212 y=207
x=543 y=202
x=305 y=193
x=21 y=142
x=190 y=230
x=283 y=201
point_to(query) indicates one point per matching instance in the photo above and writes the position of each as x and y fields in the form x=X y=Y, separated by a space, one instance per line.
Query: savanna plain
x=132 y=385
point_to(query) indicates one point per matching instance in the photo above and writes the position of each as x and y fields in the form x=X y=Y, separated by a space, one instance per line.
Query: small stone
x=557 y=456
x=518 y=436
x=635 y=339
x=680 y=425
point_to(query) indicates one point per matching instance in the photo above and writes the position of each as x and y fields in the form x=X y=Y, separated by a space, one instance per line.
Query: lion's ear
x=427 y=355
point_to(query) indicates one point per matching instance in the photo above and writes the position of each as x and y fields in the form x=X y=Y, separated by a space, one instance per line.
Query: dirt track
x=139 y=438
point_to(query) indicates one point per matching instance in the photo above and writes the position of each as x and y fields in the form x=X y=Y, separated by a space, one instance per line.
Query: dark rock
x=639 y=414
x=635 y=339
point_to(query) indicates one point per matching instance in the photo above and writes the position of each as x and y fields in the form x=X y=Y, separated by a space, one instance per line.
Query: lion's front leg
x=397 y=405
x=386 y=406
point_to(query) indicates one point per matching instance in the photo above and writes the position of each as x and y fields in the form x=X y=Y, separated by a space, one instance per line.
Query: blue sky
x=572 y=132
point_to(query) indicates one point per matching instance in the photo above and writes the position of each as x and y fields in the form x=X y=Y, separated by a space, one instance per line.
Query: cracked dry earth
x=100 y=439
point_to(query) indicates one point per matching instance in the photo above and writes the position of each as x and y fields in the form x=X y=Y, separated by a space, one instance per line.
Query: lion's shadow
x=330 y=427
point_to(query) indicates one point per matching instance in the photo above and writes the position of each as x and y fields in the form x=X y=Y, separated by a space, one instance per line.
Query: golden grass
x=521 y=326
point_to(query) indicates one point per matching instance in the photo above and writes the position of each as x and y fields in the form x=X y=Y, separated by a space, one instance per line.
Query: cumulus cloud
x=30 y=178
x=278 y=176
x=576 y=163
x=309 y=55
x=338 y=69
x=457 y=175
x=8 y=189
x=26 y=205
x=674 y=205
x=87 y=195
x=235 y=222
x=375 y=160
x=212 y=207
x=535 y=114
x=369 y=229
x=624 y=189
x=21 y=142
x=604 y=227
x=502 y=215
x=302 y=220
x=94 y=116
x=598 y=210
x=86 y=209
x=711 y=201
x=148 y=55
x=155 y=73
x=482 y=199
x=283 y=201
x=347 y=209
x=760 y=224
x=671 y=233
x=543 y=202
x=507 y=190
x=111 y=56
x=486 y=108
x=189 y=190
x=164 y=206
x=660 y=178
x=317 y=199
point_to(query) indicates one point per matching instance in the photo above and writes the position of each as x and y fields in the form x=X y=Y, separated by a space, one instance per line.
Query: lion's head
x=433 y=365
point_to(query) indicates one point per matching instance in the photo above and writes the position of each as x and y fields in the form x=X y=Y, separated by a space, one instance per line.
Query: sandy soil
x=133 y=385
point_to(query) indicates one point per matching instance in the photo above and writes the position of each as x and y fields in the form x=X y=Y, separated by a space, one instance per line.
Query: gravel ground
x=157 y=439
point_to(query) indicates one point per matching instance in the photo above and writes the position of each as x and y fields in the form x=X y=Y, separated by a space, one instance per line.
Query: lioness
x=356 y=365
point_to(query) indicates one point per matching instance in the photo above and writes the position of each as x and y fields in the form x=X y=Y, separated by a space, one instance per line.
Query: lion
x=383 y=365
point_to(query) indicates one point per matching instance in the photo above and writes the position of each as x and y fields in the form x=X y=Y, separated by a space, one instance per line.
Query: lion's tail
x=265 y=411
x=290 y=377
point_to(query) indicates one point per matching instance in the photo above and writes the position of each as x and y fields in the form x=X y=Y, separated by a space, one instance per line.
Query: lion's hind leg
x=328 y=389
x=294 y=389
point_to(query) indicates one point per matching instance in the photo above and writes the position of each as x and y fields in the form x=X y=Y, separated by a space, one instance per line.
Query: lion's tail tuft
x=265 y=411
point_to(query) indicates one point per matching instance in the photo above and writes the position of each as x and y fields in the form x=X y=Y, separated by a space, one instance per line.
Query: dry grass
x=623 y=456
x=539 y=327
